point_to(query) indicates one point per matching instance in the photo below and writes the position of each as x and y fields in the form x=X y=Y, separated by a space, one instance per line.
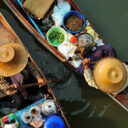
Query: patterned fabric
x=100 y=52
x=89 y=78
x=3 y=84
x=32 y=69
x=18 y=80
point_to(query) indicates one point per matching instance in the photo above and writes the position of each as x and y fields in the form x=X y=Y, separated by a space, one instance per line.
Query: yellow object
x=91 y=31
x=110 y=75
x=38 y=7
x=13 y=59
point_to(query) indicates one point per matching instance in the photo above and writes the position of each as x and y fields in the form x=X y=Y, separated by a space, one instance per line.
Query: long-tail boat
x=8 y=36
x=33 y=26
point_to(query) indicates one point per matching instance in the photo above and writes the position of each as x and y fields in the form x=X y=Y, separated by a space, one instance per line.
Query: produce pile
x=74 y=23
x=56 y=37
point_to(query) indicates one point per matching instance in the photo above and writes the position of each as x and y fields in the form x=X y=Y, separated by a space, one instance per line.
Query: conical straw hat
x=13 y=59
x=110 y=75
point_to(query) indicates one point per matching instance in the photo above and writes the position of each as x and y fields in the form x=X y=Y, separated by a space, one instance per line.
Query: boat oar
x=31 y=20
x=29 y=85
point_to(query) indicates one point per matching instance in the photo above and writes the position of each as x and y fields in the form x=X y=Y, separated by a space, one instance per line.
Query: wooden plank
x=34 y=32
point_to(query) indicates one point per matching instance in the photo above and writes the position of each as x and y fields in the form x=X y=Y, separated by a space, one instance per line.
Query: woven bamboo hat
x=110 y=75
x=13 y=59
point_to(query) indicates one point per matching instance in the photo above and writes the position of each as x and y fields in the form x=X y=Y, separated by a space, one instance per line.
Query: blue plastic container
x=77 y=14
x=54 y=121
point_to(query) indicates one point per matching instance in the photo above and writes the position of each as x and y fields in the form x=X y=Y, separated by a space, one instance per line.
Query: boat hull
x=9 y=36
x=121 y=99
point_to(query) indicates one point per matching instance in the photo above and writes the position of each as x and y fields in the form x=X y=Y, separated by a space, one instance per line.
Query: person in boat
x=87 y=49
x=13 y=63
x=110 y=75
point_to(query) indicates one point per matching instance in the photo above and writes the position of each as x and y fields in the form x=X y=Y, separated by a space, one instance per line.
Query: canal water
x=84 y=107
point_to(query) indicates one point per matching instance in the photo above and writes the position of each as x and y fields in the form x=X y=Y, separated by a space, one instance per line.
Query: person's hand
x=86 y=63
x=40 y=81
x=11 y=92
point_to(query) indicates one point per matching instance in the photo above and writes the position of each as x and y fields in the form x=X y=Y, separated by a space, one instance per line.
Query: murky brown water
x=85 y=107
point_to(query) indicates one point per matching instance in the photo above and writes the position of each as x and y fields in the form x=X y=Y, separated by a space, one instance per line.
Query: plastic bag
x=59 y=11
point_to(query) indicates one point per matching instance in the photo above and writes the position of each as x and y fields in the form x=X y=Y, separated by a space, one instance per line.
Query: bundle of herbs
x=56 y=37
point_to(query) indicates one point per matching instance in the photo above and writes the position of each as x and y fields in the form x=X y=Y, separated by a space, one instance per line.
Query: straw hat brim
x=100 y=78
x=17 y=64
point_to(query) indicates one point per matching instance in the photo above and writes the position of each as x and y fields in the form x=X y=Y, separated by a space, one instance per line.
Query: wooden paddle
x=29 y=85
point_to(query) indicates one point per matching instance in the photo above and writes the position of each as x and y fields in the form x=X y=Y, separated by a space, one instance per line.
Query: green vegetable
x=56 y=37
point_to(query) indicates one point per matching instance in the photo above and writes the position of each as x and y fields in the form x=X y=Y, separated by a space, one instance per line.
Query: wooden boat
x=20 y=116
x=121 y=99
x=8 y=35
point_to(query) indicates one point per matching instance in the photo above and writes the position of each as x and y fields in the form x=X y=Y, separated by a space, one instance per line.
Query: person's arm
x=6 y=85
x=32 y=69
x=89 y=78
x=88 y=74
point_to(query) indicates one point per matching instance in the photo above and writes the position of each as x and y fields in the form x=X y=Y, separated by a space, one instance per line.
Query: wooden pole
x=28 y=85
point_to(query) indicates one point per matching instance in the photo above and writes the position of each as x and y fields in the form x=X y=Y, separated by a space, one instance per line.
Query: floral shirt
x=6 y=81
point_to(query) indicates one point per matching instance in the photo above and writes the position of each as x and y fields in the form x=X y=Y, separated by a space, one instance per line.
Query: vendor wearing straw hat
x=87 y=49
x=110 y=75
x=13 y=60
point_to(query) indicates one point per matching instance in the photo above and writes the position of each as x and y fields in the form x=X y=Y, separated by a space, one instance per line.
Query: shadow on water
x=84 y=107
